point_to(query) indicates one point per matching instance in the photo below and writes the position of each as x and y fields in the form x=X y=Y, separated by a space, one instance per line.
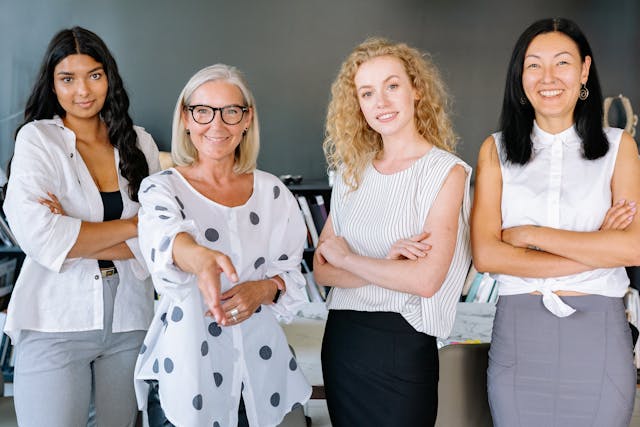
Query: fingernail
x=632 y=203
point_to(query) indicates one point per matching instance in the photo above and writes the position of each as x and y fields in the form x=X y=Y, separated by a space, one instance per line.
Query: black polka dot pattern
x=204 y=348
x=179 y=202
x=211 y=234
x=168 y=365
x=254 y=218
x=143 y=348
x=182 y=214
x=156 y=367
x=167 y=173
x=217 y=378
x=148 y=188
x=177 y=314
x=214 y=329
x=216 y=424
x=259 y=309
x=258 y=262
x=276 y=191
x=153 y=254
x=163 y=318
x=164 y=216
x=283 y=257
x=296 y=406
x=161 y=208
x=293 y=365
x=164 y=243
x=197 y=402
x=275 y=399
x=265 y=352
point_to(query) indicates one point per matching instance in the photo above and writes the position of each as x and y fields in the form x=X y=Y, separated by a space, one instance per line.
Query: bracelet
x=281 y=289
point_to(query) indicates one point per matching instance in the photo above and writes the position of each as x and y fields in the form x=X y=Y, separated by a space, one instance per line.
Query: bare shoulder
x=488 y=150
x=628 y=145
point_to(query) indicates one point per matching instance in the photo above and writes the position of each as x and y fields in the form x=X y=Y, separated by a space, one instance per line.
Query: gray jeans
x=55 y=373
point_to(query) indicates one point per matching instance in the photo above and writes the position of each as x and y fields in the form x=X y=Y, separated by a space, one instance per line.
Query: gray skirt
x=551 y=371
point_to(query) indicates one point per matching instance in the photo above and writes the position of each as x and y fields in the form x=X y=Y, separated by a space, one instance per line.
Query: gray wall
x=290 y=51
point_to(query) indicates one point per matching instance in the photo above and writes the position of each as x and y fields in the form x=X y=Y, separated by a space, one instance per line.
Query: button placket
x=555 y=183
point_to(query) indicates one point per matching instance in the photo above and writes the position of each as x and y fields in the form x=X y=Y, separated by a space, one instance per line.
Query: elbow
x=632 y=256
x=428 y=288
x=481 y=262
x=318 y=275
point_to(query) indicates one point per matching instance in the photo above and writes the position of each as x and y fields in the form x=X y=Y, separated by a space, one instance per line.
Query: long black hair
x=43 y=103
x=516 y=119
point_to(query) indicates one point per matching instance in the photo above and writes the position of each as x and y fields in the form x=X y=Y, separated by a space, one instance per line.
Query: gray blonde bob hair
x=183 y=151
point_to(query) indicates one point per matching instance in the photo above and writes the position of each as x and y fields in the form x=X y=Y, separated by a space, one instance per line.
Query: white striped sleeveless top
x=386 y=208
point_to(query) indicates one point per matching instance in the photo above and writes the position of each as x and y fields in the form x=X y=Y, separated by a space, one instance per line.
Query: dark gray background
x=290 y=51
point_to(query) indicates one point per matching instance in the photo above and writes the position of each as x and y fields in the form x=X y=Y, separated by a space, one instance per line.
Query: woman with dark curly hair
x=83 y=300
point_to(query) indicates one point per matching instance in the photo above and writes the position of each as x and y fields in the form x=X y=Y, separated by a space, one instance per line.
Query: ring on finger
x=235 y=319
x=234 y=312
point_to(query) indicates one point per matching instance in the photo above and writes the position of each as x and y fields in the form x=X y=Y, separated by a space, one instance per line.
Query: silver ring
x=234 y=312
x=235 y=319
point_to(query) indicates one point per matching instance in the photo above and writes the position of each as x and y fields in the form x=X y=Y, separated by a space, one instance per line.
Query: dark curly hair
x=43 y=104
x=516 y=120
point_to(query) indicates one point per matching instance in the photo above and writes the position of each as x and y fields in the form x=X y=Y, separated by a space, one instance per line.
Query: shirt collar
x=542 y=139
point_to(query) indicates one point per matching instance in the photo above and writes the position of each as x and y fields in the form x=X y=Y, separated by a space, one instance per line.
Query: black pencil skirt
x=378 y=371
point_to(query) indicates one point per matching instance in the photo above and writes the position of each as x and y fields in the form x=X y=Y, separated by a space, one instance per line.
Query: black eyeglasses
x=204 y=114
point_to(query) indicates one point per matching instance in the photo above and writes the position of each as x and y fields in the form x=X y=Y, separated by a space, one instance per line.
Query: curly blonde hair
x=350 y=143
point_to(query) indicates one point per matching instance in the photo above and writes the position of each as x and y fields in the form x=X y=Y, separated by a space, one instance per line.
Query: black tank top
x=113 y=206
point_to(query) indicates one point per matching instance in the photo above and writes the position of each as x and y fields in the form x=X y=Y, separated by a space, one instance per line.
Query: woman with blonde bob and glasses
x=223 y=242
x=395 y=248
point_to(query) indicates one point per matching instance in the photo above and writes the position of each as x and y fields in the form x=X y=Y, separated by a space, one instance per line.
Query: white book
x=485 y=288
x=306 y=212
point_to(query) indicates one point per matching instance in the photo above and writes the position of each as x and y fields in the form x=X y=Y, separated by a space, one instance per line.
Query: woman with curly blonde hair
x=400 y=193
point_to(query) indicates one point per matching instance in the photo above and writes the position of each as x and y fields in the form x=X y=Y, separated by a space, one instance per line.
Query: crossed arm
x=406 y=268
x=98 y=240
x=557 y=252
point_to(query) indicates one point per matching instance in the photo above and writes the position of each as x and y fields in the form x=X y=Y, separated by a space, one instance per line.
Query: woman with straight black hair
x=83 y=300
x=554 y=222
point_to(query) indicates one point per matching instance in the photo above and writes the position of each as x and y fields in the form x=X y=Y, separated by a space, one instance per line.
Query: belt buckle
x=106 y=272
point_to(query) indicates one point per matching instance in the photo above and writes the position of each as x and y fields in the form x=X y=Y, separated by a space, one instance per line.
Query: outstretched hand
x=208 y=278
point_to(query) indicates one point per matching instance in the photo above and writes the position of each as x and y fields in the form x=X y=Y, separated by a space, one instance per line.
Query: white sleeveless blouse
x=559 y=188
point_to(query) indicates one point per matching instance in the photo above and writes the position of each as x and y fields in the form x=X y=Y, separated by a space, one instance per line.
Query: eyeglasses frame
x=243 y=108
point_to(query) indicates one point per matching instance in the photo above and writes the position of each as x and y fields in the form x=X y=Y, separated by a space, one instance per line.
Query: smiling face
x=80 y=84
x=216 y=140
x=552 y=75
x=386 y=96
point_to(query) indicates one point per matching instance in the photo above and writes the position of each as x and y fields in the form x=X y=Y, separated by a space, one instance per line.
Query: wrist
x=346 y=262
x=530 y=236
x=279 y=289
